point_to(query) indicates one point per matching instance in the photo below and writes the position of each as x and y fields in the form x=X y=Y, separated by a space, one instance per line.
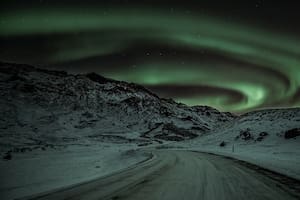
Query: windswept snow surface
x=40 y=171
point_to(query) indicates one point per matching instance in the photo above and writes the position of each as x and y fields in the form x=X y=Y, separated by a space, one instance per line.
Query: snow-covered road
x=182 y=175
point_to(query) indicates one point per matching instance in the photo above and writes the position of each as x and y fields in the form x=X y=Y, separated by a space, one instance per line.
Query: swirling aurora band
x=194 y=59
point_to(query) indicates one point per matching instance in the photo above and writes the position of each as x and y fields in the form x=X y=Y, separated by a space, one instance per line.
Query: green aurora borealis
x=195 y=59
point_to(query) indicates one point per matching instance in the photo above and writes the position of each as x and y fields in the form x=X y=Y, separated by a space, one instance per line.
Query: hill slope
x=46 y=108
x=268 y=138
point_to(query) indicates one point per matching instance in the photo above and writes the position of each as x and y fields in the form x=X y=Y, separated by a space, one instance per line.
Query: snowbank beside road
x=284 y=159
x=41 y=171
x=260 y=138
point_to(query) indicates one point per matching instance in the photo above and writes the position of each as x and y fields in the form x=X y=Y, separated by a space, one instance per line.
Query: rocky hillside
x=47 y=108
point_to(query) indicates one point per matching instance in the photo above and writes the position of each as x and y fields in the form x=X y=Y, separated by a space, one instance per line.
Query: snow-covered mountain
x=45 y=108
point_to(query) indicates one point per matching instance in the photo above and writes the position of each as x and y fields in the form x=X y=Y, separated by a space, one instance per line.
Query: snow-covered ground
x=58 y=129
x=258 y=138
x=40 y=171
x=284 y=159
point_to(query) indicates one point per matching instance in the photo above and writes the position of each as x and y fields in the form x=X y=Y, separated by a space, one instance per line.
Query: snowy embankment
x=267 y=138
x=281 y=159
x=40 y=171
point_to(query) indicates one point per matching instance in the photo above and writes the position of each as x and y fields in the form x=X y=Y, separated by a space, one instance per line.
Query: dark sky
x=233 y=55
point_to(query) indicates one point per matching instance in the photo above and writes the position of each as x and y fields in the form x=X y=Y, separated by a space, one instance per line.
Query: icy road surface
x=172 y=175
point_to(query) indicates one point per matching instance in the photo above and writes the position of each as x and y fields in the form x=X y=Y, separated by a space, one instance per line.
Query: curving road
x=173 y=175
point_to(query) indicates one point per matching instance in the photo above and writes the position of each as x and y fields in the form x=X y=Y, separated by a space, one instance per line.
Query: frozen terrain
x=59 y=129
x=40 y=171
x=184 y=175
x=41 y=109
x=268 y=138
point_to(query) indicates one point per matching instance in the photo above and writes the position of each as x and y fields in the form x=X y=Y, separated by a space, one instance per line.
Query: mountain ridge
x=50 y=108
x=46 y=105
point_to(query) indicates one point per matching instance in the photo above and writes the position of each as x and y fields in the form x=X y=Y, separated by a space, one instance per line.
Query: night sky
x=233 y=55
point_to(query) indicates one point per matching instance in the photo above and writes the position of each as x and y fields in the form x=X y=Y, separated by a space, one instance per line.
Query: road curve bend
x=184 y=175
